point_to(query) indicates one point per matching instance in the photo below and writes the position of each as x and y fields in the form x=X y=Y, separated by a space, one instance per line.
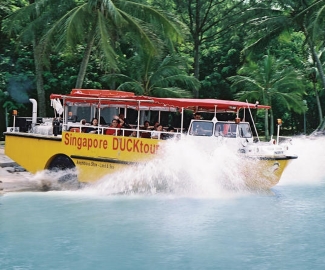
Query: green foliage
x=155 y=76
x=126 y=30
x=270 y=81
x=221 y=62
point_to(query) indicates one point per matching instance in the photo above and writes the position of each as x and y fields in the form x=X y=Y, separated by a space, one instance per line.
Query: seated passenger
x=123 y=122
x=199 y=130
x=83 y=123
x=113 y=130
x=119 y=120
x=93 y=129
x=168 y=135
x=197 y=116
x=146 y=125
x=133 y=134
x=155 y=125
x=156 y=134
x=226 y=129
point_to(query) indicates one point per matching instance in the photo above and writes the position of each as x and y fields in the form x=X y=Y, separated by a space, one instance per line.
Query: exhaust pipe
x=34 y=114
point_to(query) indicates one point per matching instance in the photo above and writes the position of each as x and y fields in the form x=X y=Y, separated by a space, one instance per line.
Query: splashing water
x=309 y=167
x=54 y=180
x=185 y=168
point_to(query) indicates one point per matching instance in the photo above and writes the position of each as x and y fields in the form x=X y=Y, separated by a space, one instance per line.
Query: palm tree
x=278 y=17
x=94 y=23
x=28 y=24
x=313 y=76
x=105 y=21
x=270 y=81
x=156 y=76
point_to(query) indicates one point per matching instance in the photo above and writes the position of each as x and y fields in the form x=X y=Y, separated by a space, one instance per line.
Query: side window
x=245 y=131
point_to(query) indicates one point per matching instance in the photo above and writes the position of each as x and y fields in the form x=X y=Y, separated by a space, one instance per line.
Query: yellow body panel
x=97 y=155
x=93 y=155
x=264 y=174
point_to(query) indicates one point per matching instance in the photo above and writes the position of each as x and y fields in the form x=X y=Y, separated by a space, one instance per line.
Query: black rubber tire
x=61 y=163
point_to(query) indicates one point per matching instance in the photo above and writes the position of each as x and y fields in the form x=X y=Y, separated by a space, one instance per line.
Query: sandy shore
x=13 y=177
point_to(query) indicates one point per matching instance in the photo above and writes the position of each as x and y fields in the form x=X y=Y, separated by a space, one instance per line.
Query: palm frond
x=174 y=92
x=134 y=87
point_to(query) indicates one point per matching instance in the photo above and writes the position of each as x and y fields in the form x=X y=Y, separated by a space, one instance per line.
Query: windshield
x=245 y=130
x=225 y=130
x=201 y=128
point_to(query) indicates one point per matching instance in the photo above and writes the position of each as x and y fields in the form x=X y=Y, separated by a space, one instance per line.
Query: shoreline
x=12 y=176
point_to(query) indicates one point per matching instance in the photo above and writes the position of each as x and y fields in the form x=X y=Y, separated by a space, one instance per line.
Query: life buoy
x=74 y=130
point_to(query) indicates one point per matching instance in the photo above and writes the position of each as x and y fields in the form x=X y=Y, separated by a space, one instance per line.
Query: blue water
x=174 y=227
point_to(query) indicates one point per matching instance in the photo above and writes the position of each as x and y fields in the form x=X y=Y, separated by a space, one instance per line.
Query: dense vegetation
x=271 y=51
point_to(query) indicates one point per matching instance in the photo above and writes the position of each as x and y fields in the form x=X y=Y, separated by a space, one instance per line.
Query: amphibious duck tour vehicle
x=62 y=141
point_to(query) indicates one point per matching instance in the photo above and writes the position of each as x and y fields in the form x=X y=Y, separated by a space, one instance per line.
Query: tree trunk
x=85 y=59
x=37 y=50
x=318 y=62
x=271 y=123
x=318 y=66
x=196 y=63
x=38 y=54
x=319 y=106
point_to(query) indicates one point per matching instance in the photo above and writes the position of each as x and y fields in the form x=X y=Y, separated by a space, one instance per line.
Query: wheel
x=63 y=163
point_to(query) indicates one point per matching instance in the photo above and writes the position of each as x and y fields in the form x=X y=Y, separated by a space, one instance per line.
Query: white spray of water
x=55 y=180
x=186 y=169
x=183 y=169
x=309 y=167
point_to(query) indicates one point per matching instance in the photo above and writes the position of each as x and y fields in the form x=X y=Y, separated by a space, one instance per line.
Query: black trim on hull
x=108 y=160
x=275 y=158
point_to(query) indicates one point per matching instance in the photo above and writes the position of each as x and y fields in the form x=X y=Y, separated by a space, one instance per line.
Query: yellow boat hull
x=95 y=156
x=264 y=174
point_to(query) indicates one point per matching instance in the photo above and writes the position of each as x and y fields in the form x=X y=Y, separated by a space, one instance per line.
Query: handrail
x=123 y=130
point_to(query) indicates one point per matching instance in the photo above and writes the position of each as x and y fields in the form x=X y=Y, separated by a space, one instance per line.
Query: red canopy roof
x=113 y=98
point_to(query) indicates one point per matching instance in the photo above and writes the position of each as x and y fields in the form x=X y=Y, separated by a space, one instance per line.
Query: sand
x=12 y=176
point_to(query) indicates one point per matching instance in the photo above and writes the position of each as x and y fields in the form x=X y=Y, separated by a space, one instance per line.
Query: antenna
x=215 y=114
x=249 y=109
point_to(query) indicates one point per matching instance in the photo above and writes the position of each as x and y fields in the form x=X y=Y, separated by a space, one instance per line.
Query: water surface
x=176 y=213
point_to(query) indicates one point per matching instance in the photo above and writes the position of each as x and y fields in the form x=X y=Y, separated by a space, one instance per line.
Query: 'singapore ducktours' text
x=114 y=143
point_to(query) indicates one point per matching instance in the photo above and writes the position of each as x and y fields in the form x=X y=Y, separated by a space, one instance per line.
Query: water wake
x=184 y=169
